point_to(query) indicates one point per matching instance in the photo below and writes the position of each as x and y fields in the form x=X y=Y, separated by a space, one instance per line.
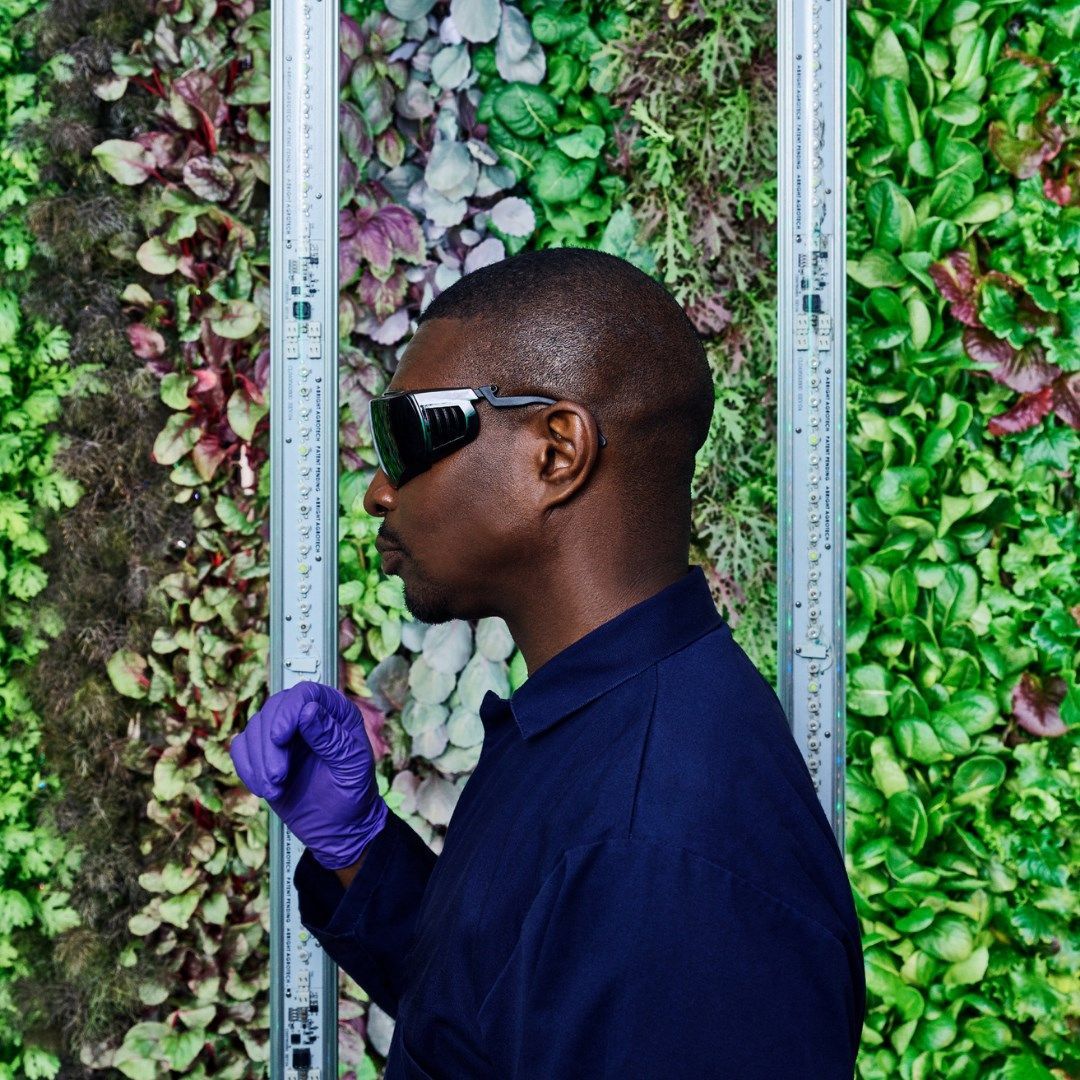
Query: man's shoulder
x=717 y=723
x=713 y=680
x=718 y=735
x=722 y=776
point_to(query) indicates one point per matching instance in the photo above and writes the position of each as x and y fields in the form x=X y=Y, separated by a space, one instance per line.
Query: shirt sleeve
x=368 y=928
x=637 y=959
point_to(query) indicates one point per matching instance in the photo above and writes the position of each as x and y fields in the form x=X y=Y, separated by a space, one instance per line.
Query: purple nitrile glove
x=307 y=754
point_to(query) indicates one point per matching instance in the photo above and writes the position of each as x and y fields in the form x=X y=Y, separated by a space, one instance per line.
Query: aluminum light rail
x=303 y=477
x=811 y=361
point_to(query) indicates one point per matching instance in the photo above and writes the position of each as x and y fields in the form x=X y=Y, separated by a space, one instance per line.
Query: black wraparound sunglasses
x=412 y=429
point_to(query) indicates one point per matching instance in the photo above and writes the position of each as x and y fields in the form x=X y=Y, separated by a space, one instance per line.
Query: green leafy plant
x=696 y=90
x=37 y=866
x=964 y=610
x=556 y=135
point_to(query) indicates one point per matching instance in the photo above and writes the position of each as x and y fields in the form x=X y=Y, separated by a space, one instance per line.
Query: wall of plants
x=964 y=609
x=134 y=909
x=36 y=862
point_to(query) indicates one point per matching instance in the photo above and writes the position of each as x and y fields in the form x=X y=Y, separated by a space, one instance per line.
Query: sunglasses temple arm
x=525 y=399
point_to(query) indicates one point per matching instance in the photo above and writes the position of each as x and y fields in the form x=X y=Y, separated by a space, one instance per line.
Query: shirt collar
x=609 y=655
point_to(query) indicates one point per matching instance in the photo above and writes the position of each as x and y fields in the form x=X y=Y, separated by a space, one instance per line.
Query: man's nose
x=380 y=494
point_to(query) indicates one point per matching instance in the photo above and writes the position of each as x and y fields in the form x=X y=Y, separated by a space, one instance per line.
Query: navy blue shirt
x=638 y=880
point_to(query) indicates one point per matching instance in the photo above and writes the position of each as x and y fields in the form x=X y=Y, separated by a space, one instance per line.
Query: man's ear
x=567 y=462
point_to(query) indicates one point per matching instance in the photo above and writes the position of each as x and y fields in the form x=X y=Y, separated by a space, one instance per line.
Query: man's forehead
x=438 y=354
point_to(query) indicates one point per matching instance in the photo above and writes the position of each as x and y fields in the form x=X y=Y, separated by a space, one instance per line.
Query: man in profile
x=638 y=880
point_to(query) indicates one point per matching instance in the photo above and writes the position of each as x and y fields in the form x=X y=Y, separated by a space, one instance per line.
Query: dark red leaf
x=1025 y=370
x=709 y=314
x=355 y=136
x=261 y=371
x=206 y=379
x=956 y=282
x=349 y=258
x=147 y=343
x=199 y=91
x=984 y=347
x=252 y=389
x=351 y=38
x=375 y=246
x=1032 y=317
x=1067 y=399
x=1059 y=190
x=1037 y=707
x=1026 y=413
x=348 y=174
x=383 y=297
x=1020 y=156
x=404 y=232
x=165 y=147
x=347 y=224
x=207 y=455
x=390 y=147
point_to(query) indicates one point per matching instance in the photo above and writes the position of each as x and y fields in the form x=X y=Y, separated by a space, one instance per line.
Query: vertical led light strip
x=811 y=360
x=303 y=477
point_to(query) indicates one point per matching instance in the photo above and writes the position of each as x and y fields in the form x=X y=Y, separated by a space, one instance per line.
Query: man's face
x=456 y=523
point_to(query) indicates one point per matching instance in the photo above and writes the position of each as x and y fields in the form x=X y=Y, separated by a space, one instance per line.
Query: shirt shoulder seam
x=644 y=750
x=654 y=667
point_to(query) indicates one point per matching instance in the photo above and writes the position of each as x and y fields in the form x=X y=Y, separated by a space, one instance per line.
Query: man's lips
x=390 y=558
x=386 y=548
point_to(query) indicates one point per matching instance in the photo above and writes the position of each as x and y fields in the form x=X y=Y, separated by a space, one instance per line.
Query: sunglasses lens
x=398 y=431
x=408 y=441
x=382 y=432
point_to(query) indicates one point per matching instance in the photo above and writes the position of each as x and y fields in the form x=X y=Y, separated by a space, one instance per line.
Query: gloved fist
x=307 y=754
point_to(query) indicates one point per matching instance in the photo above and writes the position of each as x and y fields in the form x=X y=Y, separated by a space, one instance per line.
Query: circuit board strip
x=303 y=478
x=811 y=388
